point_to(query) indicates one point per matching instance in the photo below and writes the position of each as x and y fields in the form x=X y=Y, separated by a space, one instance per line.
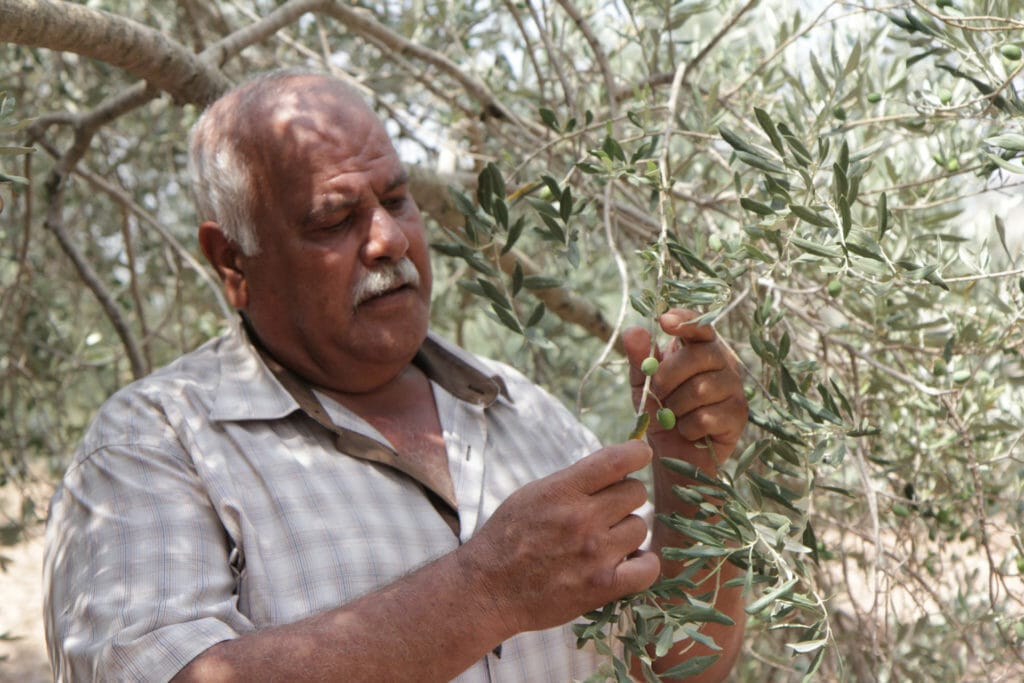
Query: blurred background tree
x=835 y=184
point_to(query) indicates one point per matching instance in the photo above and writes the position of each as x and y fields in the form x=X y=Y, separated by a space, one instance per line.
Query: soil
x=23 y=651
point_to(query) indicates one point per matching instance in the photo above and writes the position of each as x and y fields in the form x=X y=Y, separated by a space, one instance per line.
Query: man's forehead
x=288 y=108
x=317 y=111
x=302 y=124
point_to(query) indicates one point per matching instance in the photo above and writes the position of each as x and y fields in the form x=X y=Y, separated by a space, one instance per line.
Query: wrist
x=481 y=579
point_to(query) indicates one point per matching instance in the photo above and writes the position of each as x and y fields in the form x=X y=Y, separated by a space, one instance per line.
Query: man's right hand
x=565 y=544
x=555 y=549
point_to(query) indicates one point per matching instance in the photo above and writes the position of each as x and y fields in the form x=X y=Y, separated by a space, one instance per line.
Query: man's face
x=334 y=218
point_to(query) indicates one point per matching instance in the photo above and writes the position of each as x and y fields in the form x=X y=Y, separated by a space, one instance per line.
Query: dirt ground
x=21 y=608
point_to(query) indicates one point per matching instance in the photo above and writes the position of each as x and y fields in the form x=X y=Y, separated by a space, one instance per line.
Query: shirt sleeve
x=137 y=576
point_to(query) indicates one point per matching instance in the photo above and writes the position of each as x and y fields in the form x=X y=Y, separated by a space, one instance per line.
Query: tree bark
x=134 y=47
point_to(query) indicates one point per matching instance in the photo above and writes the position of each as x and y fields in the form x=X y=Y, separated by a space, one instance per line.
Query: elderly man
x=329 y=491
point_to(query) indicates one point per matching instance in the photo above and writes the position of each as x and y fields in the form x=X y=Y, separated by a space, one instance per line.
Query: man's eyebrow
x=328 y=205
x=339 y=201
x=402 y=178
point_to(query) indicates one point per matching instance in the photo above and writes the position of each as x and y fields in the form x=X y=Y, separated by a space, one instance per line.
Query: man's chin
x=395 y=321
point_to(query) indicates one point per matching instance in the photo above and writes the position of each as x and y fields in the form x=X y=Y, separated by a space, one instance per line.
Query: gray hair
x=222 y=185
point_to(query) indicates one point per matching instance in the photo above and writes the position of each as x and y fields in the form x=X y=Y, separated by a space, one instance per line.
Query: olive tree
x=831 y=184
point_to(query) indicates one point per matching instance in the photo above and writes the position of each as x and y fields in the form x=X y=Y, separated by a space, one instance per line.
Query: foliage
x=829 y=183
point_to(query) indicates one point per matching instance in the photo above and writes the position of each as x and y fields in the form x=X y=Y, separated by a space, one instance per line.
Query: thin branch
x=360 y=21
x=868 y=357
x=964 y=22
x=986 y=276
x=92 y=280
x=717 y=38
x=595 y=47
x=133 y=275
x=775 y=54
x=613 y=341
x=553 y=58
x=185 y=254
x=24 y=272
x=974 y=468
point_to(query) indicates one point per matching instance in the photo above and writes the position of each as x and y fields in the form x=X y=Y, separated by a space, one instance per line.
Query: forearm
x=728 y=600
x=429 y=626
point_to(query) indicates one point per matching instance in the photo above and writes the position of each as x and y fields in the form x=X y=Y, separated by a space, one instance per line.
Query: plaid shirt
x=203 y=504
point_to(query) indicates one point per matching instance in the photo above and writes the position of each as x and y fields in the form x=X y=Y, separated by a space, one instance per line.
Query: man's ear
x=227 y=259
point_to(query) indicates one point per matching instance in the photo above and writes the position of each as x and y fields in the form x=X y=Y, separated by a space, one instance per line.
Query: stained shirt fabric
x=204 y=504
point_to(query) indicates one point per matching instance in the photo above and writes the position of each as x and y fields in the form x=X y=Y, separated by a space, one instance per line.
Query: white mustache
x=384 y=278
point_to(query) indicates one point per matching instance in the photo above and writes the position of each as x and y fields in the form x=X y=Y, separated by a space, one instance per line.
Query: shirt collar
x=248 y=389
x=459 y=373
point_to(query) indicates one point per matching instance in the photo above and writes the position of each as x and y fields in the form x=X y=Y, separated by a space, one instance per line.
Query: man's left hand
x=699 y=381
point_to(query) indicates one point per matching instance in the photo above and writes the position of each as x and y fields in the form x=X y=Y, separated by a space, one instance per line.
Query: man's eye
x=340 y=225
x=395 y=204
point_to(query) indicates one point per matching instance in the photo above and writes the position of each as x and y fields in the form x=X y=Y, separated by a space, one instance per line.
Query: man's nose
x=386 y=240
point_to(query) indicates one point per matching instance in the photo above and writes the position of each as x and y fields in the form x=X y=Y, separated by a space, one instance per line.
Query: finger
x=616 y=502
x=704 y=389
x=637 y=343
x=617 y=542
x=626 y=537
x=635 y=573
x=722 y=422
x=678 y=322
x=685 y=363
x=607 y=466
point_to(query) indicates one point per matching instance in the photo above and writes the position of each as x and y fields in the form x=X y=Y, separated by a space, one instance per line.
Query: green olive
x=874 y=97
x=945 y=96
x=961 y=376
x=666 y=418
x=649 y=366
x=835 y=287
x=1011 y=51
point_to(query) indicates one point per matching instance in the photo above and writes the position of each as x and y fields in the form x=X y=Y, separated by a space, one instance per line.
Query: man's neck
x=405 y=413
x=408 y=391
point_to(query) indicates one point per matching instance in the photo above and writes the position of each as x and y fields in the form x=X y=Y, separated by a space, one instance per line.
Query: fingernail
x=672 y=319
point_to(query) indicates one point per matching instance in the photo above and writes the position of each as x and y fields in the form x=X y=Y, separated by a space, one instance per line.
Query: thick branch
x=229 y=46
x=431 y=193
x=86 y=125
x=134 y=47
x=430 y=190
x=562 y=302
